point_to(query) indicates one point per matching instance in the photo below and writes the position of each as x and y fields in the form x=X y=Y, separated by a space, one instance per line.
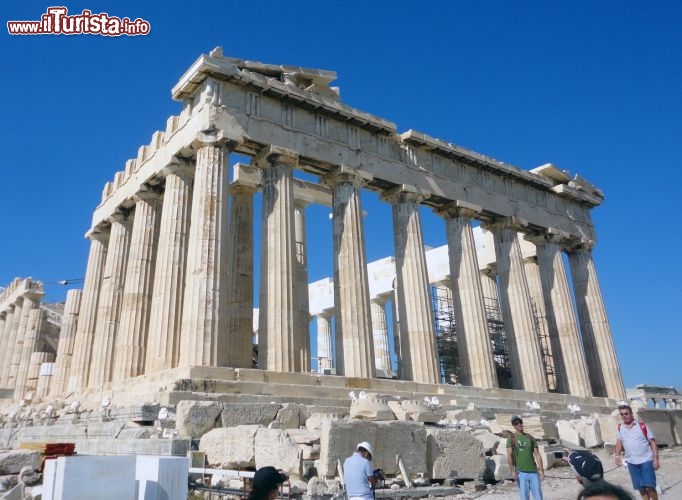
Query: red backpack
x=642 y=426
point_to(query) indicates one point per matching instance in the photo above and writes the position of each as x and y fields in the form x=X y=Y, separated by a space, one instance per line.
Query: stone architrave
x=202 y=340
x=353 y=326
x=111 y=295
x=87 y=315
x=567 y=353
x=382 y=353
x=473 y=340
x=240 y=277
x=302 y=330
x=67 y=338
x=10 y=335
x=419 y=360
x=278 y=346
x=527 y=369
x=30 y=340
x=165 y=319
x=131 y=339
x=602 y=362
x=324 y=341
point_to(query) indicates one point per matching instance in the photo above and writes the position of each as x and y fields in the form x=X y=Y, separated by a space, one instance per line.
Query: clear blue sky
x=593 y=87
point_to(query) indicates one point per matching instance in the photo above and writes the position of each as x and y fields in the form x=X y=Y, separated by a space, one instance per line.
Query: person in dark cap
x=266 y=483
x=588 y=468
x=604 y=491
x=525 y=462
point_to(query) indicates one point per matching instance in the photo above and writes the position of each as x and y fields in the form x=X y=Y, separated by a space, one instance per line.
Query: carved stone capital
x=273 y=156
x=346 y=173
x=99 y=233
x=148 y=195
x=121 y=215
x=458 y=209
x=512 y=222
x=579 y=244
x=549 y=235
x=402 y=194
x=180 y=167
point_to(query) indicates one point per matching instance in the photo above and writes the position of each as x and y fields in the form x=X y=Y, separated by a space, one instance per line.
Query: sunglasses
x=521 y=423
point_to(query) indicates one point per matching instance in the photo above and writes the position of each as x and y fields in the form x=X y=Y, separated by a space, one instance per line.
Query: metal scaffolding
x=446 y=334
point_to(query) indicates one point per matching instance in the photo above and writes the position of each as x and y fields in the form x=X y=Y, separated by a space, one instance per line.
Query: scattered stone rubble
x=438 y=446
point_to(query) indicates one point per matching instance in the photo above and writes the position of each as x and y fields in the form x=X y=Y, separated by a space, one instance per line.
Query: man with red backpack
x=638 y=441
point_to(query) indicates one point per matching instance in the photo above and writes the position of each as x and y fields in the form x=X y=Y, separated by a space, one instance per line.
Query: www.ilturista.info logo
x=56 y=21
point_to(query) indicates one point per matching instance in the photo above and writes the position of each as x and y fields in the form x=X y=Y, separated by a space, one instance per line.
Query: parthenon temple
x=169 y=282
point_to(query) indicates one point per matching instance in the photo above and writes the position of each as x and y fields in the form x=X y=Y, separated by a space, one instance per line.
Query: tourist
x=588 y=468
x=525 y=462
x=641 y=452
x=358 y=475
x=266 y=483
x=601 y=490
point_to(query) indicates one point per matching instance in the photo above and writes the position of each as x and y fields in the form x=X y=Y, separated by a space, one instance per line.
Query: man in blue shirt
x=358 y=474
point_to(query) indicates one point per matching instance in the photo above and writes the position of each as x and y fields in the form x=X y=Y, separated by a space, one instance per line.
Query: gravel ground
x=560 y=483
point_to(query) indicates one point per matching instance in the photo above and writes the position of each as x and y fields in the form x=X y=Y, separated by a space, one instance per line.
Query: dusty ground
x=560 y=484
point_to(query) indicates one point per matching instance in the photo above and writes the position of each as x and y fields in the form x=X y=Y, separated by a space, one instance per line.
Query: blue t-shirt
x=356 y=471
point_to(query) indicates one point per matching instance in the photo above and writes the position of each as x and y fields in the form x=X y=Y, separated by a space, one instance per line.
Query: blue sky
x=593 y=87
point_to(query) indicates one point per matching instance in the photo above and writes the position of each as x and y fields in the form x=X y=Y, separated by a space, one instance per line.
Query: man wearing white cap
x=358 y=474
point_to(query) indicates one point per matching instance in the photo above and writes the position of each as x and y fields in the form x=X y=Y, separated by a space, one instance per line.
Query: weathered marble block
x=339 y=438
x=230 y=448
x=12 y=461
x=275 y=447
x=234 y=414
x=195 y=418
x=454 y=454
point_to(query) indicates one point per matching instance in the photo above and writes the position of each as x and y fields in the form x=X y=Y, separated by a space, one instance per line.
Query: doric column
x=16 y=345
x=165 y=318
x=324 y=341
x=25 y=344
x=567 y=353
x=203 y=338
x=67 y=338
x=488 y=277
x=473 y=340
x=537 y=301
x=87 y=316
x=302 y=329
x=524 y=350
x=419 y=358
x=353 y=326
x=131 y=340
x=111 y=295
x=35 y=361
x=602 y=362
x=240 y=277
x=9 y=338
x=382 y=353
x=279 y=348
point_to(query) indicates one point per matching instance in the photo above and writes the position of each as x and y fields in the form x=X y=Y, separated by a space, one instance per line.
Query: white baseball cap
x=366 y=446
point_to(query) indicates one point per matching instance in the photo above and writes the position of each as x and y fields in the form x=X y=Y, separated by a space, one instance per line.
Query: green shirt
x=523 y=452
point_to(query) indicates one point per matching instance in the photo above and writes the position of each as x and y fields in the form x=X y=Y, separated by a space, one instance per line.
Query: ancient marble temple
x=169 y=279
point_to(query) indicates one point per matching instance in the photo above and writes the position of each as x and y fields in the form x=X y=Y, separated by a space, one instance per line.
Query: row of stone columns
x=170 y=284
x=21 y=324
